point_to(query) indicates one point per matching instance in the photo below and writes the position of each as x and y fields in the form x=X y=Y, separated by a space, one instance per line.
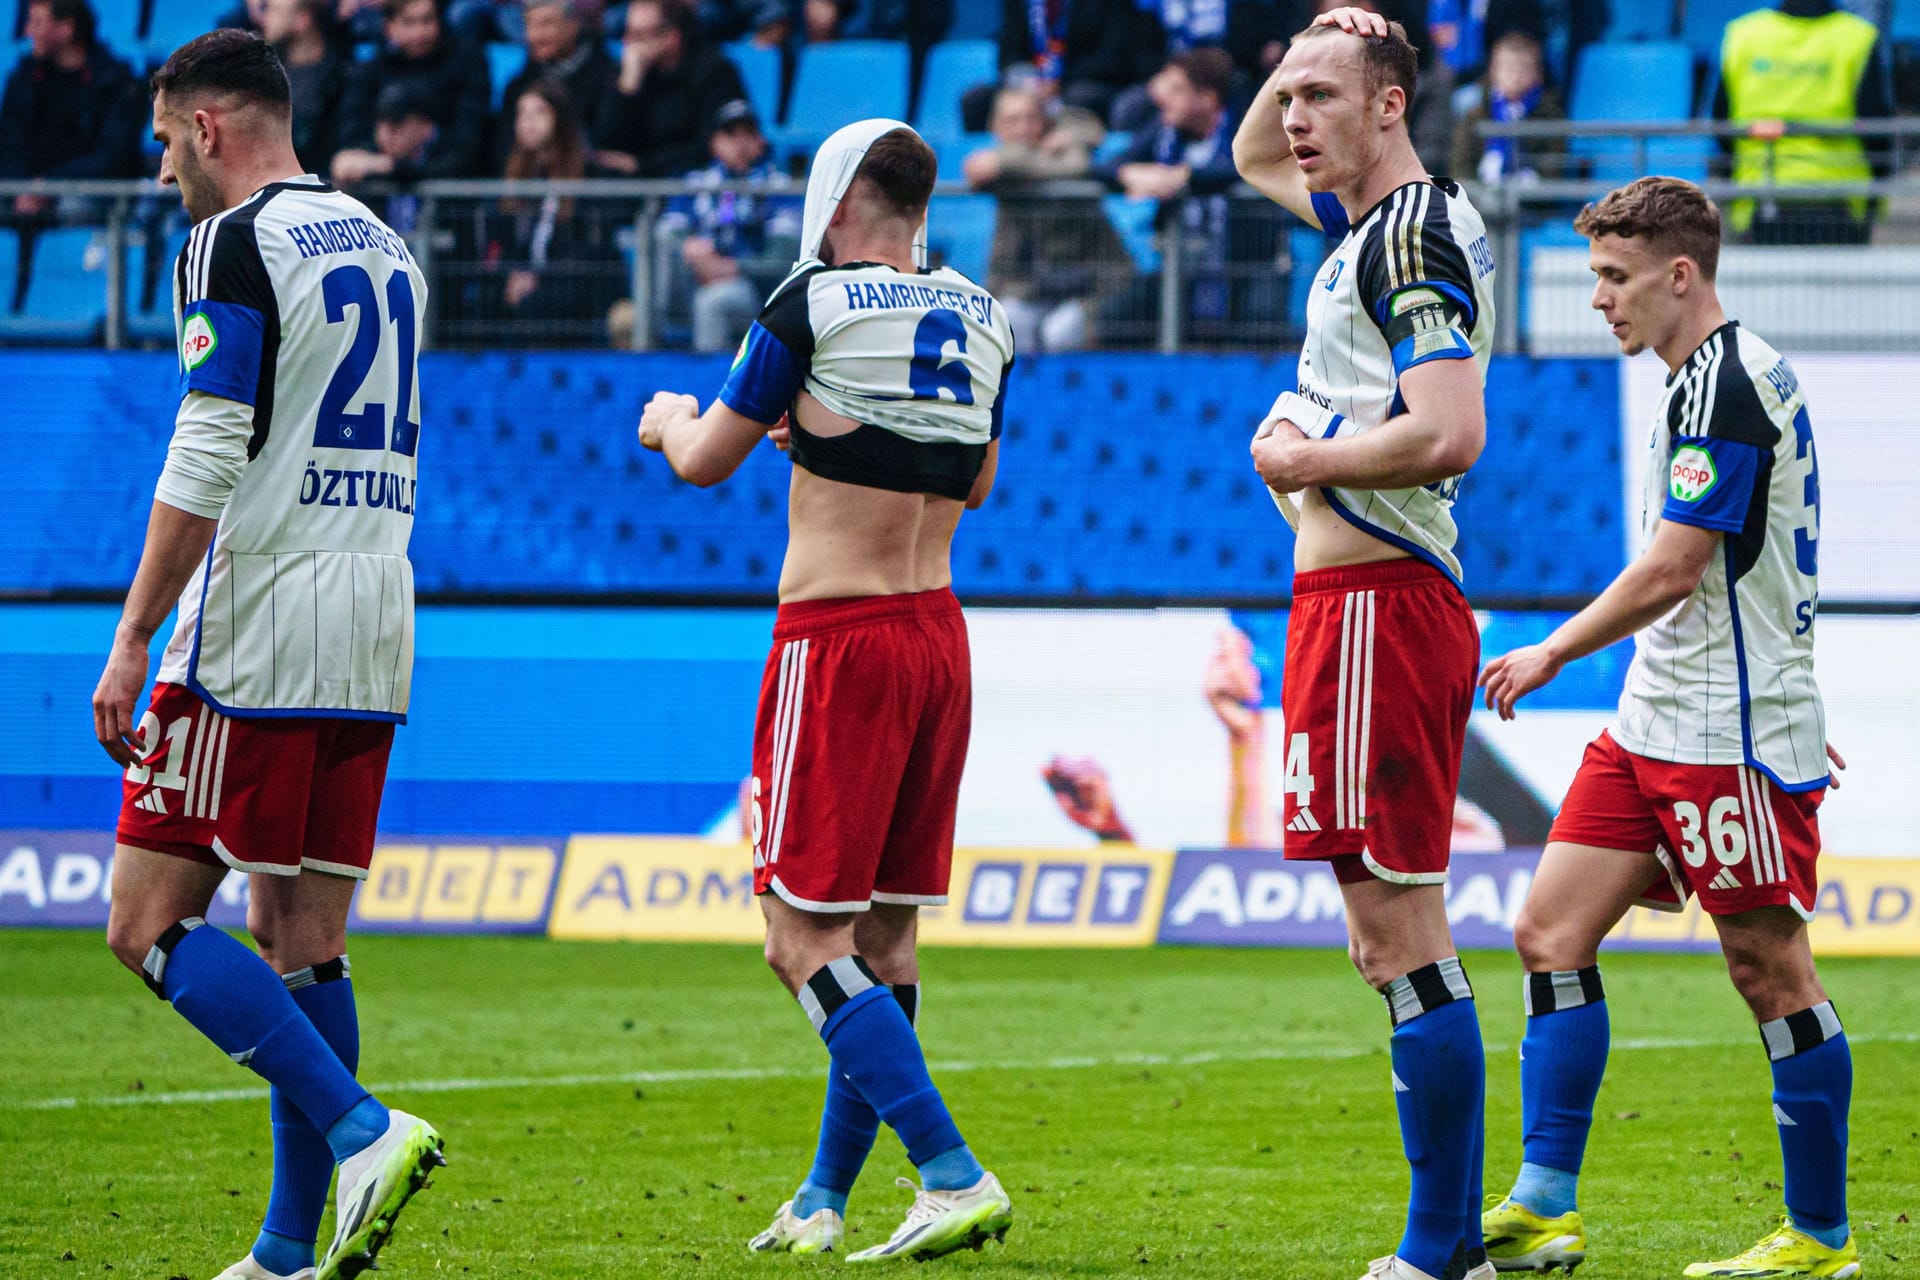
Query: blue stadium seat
x=1706 y=21
x=1112 y=147
x=1308 y=248
x=835 y=83
x=1650 y=81
x=9 y=268
x=153 y=322
x=504 y=62
x=960 y=233
x=172 y=23
x=66 y=298
x=1641 y=20
x=952 y=69
x=1905 y=27
x=975 y=20
x=760 y=71
x=1133 y=221
x=117 y=22
x=952 y=152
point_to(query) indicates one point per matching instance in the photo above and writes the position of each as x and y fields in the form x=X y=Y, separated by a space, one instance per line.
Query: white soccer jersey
x=1410 y=281
x=303 y=305
x=922 y=361
x=1726 y=677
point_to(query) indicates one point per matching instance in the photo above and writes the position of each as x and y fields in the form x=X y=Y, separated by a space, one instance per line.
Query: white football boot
x=822 y=1233
x=375 y=1184
x=942 y=1221
x=1392 y=1268
x=248 y=1269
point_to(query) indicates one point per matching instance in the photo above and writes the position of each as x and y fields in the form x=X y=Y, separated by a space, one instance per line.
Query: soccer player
x=1711 y=778
x=885 y=382
x=279 y=526
x=1364 y=460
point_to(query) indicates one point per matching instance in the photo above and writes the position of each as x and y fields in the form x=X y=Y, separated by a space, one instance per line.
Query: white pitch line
x=695 y=1075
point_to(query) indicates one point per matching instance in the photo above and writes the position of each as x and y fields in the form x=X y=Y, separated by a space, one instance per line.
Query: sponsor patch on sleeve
x=197 y=341
x=1694 y=474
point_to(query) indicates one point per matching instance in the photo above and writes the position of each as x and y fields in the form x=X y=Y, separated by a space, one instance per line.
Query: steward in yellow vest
x=1806 y=62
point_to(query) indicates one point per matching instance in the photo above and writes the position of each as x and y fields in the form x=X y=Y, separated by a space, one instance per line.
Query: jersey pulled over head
x=918 y=358
x=222 y=111
x=900 y=178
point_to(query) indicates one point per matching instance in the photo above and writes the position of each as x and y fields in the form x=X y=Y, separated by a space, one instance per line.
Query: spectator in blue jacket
x=70 y=110
x=734 y=247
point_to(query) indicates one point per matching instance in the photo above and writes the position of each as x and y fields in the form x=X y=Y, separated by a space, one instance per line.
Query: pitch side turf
x=639 y=1111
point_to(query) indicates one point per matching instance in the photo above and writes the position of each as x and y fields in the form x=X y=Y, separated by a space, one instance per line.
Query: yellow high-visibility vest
x=1806 y=70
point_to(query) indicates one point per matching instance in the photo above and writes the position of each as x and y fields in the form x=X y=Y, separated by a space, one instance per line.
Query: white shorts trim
x=226 y=855
x=912 y=899
x=830 y=908
x=1401 y=877
x=1805 y=913
x=1674 y=878
x=335 y=868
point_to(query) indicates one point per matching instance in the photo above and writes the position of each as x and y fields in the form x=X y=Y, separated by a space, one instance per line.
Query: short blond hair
x=1674 y=218
x=1389 y=59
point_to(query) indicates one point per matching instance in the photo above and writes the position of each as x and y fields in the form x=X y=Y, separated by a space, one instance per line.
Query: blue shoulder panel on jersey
x=220 y=350
x=1332 y=214
x=1000 y=402
x=765 y=377
x=1710 y=482
x=1438 y=344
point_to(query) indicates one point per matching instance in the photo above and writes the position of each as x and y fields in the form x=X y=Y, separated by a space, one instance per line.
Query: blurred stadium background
x=591 y=629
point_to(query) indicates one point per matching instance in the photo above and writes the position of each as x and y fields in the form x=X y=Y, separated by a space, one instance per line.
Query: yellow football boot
x=1786 y=1252
x=1518 y=1239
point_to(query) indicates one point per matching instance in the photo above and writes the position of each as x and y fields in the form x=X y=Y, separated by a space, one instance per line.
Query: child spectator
x=1514 y=88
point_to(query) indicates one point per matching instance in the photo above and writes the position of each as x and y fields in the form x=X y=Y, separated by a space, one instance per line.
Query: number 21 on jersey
x=366 y=428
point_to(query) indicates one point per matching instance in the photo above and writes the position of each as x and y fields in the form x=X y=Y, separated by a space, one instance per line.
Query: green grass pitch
x=1185 y=1113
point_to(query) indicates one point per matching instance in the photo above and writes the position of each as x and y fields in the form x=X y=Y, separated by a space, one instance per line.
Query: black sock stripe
x=1590 y=984
x=827 y=991
x=1540 y=997
x=154 y=971
x=908 y=994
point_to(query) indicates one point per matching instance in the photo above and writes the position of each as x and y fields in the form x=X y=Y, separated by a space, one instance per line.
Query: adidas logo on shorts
x=1726 y=880
x=1303 y=821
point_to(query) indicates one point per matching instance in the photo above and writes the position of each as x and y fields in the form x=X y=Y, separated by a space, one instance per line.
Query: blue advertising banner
x=1255 y=898
x=64 y=878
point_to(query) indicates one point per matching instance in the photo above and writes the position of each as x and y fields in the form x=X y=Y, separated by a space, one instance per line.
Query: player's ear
x=1392 y=105
x=206 y=132
x=1681 y=273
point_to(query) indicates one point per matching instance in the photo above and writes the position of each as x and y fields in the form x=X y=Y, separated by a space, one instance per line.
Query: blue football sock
x=1812 y=1088
x=233 y=998
x=848 y=1127
x=1439 y=1082
x=1562 y=1059
x=868 y=1034
x=302 y=1161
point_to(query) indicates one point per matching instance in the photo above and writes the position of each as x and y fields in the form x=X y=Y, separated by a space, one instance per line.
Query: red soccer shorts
x=1744 y=843
x=865 y=712
x=1381 y=661
x=275 y=795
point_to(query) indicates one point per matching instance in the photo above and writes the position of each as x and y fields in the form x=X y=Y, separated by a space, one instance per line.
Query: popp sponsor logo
x=1693 y=475
x=197 y=341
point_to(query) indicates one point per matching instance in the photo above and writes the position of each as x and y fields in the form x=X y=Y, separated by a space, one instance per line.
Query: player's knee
x=1374 y=963
x=130 y=938
x=1762 y=980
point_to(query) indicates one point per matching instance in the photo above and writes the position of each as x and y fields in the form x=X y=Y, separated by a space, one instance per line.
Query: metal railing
x=1222 y=271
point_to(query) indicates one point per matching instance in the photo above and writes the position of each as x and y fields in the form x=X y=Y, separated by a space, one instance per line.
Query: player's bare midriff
x=851 y=540
x=1327 y=541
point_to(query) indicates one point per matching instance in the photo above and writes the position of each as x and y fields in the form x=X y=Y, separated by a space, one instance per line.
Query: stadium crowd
x=1141 y=96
